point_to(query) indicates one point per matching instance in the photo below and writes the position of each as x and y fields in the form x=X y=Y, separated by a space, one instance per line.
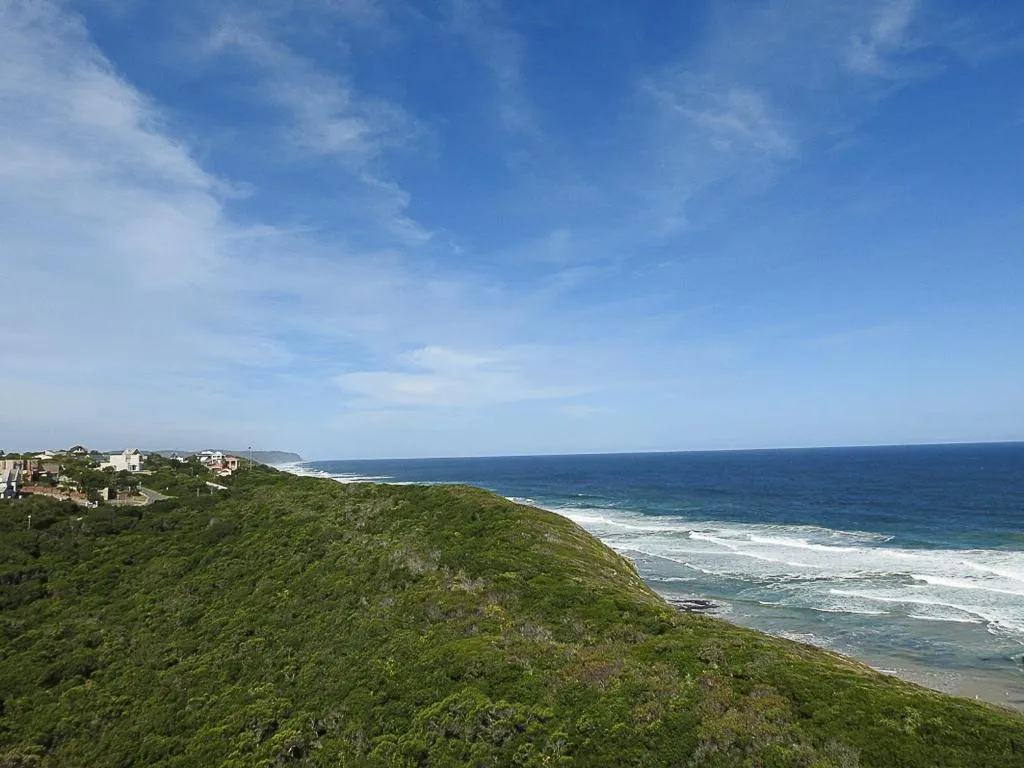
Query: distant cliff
x=263 y=457
x=269 y=457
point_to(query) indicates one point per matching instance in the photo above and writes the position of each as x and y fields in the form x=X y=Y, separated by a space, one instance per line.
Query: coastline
x=967 y=684
x=438 y=624
x=987 y=688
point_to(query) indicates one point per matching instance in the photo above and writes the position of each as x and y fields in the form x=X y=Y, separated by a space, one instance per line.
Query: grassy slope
x=299 y=621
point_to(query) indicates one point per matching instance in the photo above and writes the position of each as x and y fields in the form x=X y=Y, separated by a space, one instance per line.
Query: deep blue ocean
x=910 y=558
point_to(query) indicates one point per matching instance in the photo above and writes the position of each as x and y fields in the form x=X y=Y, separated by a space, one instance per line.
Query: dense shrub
x=294 y=621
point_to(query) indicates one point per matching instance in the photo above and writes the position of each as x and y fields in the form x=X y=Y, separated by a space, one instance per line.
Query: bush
x=295 y=621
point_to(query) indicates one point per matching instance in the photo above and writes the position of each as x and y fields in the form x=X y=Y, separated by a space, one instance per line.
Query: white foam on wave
x=625 y=519
x=953 y=619
x=522 y=500
x=836 y=571
x=798 y=544
x=943 y=581
x=342 y=477
x=735 y=550
x=963 y=586
x=697 y=568
x=591 y=519
x=1014 y=574
x=940 y=607
x=297 y=468
x=826 y=609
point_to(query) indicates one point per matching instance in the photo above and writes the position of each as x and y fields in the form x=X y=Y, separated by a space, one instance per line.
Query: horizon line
x=686 y=450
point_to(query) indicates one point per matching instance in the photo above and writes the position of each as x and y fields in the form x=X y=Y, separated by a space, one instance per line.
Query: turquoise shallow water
x=910 y=558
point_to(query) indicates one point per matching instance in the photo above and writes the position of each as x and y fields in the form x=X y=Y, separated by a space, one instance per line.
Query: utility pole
x=250 y=457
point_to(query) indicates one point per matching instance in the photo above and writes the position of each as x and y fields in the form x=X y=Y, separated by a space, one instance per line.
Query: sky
x=397 y=228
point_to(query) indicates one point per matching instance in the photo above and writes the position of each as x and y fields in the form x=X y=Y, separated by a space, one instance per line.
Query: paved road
x=152 y=496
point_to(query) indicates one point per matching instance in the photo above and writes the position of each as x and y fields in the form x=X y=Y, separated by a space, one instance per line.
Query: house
x=26 y=469
x=51 y=468
x=78 y=450
x=222 y=465
x=45 y=456
x=10 y=480
x=129 y=460
x=210 y=457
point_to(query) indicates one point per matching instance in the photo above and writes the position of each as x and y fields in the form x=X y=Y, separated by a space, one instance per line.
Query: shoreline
x=965 y=684
x=991 y=689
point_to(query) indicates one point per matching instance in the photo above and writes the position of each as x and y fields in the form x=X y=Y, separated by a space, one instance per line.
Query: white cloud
x=705 y=137
x=134 y=301
x=482 y=24
x=769 y=83
x=390 y=205
x=86 y=168
x=732 y=119
x=329 y=118
x=439 y=377
x=146 y=306
x=435 y=358
x=869 y=52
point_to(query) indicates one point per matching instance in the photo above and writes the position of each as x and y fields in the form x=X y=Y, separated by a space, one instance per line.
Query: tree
x=126 y=483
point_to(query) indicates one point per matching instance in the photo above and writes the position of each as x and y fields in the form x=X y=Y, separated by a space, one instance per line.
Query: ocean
x=909 y=558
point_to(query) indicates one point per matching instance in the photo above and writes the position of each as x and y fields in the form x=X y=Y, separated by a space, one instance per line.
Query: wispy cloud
x=705 y=135
x=302 y=276
x=134 y=277
x=767 y=84
x=79 y=140
x=329 y=117
x=483 y=25
x=870 y=52
x=732 y=119
x=391 y=209
x=438 y=377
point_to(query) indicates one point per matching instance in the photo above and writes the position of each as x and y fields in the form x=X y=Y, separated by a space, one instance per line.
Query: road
x=152 y=496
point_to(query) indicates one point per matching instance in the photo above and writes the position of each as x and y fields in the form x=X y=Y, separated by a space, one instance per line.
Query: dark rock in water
x=692 y=604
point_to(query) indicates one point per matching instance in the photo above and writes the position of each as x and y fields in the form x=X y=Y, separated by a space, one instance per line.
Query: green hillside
x=295 y=621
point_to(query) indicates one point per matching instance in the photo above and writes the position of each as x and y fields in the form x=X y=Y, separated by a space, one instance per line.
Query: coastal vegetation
x=298 y=621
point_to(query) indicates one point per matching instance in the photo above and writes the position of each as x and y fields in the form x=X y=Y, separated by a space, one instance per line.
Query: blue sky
x=386 y=228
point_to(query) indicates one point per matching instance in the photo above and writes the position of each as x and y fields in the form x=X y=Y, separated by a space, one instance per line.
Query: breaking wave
x=821 y=569
x=302 y=470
